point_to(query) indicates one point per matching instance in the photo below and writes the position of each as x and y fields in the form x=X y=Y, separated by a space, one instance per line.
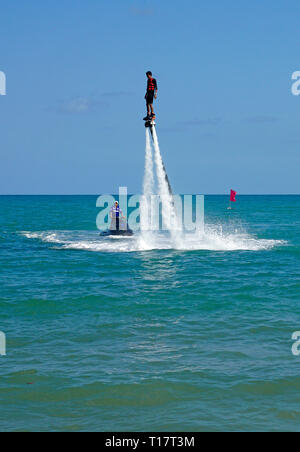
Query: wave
x=213 y=239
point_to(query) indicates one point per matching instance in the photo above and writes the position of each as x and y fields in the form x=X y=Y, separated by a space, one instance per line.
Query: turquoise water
x=105 y=336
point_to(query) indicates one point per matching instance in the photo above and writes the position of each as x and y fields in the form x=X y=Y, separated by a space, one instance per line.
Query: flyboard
x=150 y=123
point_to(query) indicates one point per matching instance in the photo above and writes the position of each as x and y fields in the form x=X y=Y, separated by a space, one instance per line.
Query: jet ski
x=121 y=230
x=115 y=233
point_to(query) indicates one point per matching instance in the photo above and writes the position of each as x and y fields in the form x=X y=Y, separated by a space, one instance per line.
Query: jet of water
x=169 y=214
x=148 y=186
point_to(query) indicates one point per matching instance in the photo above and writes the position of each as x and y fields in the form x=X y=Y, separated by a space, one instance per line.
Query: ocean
x=119 y=335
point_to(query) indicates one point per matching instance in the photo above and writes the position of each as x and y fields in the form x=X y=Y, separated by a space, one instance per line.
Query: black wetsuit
x=151 y=88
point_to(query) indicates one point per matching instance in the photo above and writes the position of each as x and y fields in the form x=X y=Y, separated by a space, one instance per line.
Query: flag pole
x=232 y=198
x=229 y=207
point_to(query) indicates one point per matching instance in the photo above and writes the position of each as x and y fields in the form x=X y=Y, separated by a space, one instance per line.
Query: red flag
x=233 y=195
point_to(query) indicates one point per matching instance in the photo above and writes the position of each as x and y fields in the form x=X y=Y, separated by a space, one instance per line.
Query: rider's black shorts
x=150 y=97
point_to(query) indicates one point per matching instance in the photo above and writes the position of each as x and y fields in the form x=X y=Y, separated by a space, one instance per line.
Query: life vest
x=116 y=211
x=151 y=85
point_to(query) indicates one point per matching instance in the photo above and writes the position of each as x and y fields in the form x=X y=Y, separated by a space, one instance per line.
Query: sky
x=71 y=120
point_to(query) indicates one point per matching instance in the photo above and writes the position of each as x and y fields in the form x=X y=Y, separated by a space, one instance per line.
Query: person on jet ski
x=116 y=214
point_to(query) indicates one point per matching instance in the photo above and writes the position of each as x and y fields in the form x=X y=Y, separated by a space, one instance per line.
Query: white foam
x=49 y=237
x=212 y=240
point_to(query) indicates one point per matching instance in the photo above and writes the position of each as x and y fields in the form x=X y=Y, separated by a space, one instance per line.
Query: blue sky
x=71 y=122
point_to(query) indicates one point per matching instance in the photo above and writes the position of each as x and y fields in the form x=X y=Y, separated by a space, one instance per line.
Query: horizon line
x=131 y=194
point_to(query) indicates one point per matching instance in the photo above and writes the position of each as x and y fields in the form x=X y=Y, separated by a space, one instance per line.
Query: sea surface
x=128 y=335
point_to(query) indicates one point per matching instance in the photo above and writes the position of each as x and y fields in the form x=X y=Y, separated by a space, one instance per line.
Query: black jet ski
x=120 y=229
x=115 y=233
